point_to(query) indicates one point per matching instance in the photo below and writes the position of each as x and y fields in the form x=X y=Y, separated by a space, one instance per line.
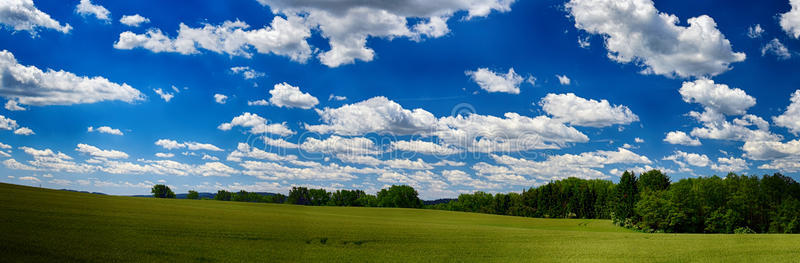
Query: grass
x=40 y=225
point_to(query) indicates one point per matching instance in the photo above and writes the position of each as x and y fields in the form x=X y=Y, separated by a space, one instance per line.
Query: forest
x=651 y=202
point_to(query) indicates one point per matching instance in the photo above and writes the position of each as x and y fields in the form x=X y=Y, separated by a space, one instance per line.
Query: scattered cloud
x=22 y=15
x=582 y=112
x=491 y=81
x=635 y=31
x=134 y=20
x=776 y=48
x=679 y=137
x=755 y=31
x=563 y=79
x=30 y=85
x=790 y=118
x=85 y=8
x=105 y=129
x=219 y=98
x=247 y=72
x=97 y=152
x=257 y=125
x=790 y=21
x=13 y=106
x=285 y=95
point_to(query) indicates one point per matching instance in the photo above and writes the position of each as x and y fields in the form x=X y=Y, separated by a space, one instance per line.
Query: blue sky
x=449 y=97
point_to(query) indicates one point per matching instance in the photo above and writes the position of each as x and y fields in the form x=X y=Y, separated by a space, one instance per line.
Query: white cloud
x=165 y=155
x=247 y=72
x=790 y=21
x=348 y=25
x=257 y=103
x=679 y=137
x=105 y=129
x=4 y=146
x=424 y=147
x=54 y=161
x=280 y=143
x=776 y=48
x=14 y=164
x=755 y=31
x=790 y=119
x=22 y=15
x=284 y=37
x=7 y=123
x=244 y=150
x=134 y=20
x=378 y=115
x=209 y=157
x=582 y=112
x=496 y=82
x=24 y=131
x=340 y=145
x=331 y=172
x=219 y=98
x=285 y=95
x=85 y=8
x=693 y=159
x=582 y=165
x=194 y=146
x=458 y=177
x=474 y=132
x=257 y=125
x=563 y=79
x=165 y=95
x=636 y=32
x=771 y=150
x=336 y=98
x=731 y=164
x=717 y=97
x=97 y=152
x=638 y=140
x=30 y=85
x=13 y=106
x=215 y=169
x=30 y=178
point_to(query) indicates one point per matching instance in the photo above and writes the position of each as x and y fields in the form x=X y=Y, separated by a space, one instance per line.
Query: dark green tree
x=399 y=196
x=299 y=196
x=223 y=195
x=162 y=191
x=653 y=180
x=192 y=195
x=627 y=196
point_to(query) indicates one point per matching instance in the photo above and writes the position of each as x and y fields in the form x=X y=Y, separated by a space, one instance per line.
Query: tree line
x=651 y=202
x=403 y=196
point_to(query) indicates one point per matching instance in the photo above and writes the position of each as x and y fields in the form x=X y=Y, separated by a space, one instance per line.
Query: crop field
x=40 y=225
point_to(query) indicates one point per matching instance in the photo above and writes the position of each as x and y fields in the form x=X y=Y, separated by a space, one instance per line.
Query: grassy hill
x=41 y=225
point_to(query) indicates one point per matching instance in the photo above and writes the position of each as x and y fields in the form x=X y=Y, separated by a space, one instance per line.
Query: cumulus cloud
x=165 y=155
x=496 y=82
x=348 y=25
x=336 y=98
x=285 y=95
x=219 y=98
x=165 y=95
x=247 y=72
x=193 y=146
x=105 y=129
x=424 y=147
x=635 y=31
x=11 y=125
x=679 y=137
x=790 y=118
x=693 y=159
x=584 y=165
x=378 y=115
x=24 y=131
x=13 y=106
x=717 y=97
x=731 y=164
x=582 y=112
x=257 y=103
x=134 y=20
x=85 y=8
x=479 y=133
x=563 y=79
x=22 y=15
x=755 y=31
x=790 y=21
x=30 y=85
x=244 y=150
x=284 y=37
x=50 y=160
x=257 y=125
x=777 y=49
x=97 y=152
x=340 y=145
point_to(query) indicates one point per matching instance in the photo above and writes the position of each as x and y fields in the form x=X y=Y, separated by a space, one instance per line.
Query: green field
x=40 y=225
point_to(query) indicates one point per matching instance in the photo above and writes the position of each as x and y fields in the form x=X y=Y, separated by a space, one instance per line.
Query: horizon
x=494 y=96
